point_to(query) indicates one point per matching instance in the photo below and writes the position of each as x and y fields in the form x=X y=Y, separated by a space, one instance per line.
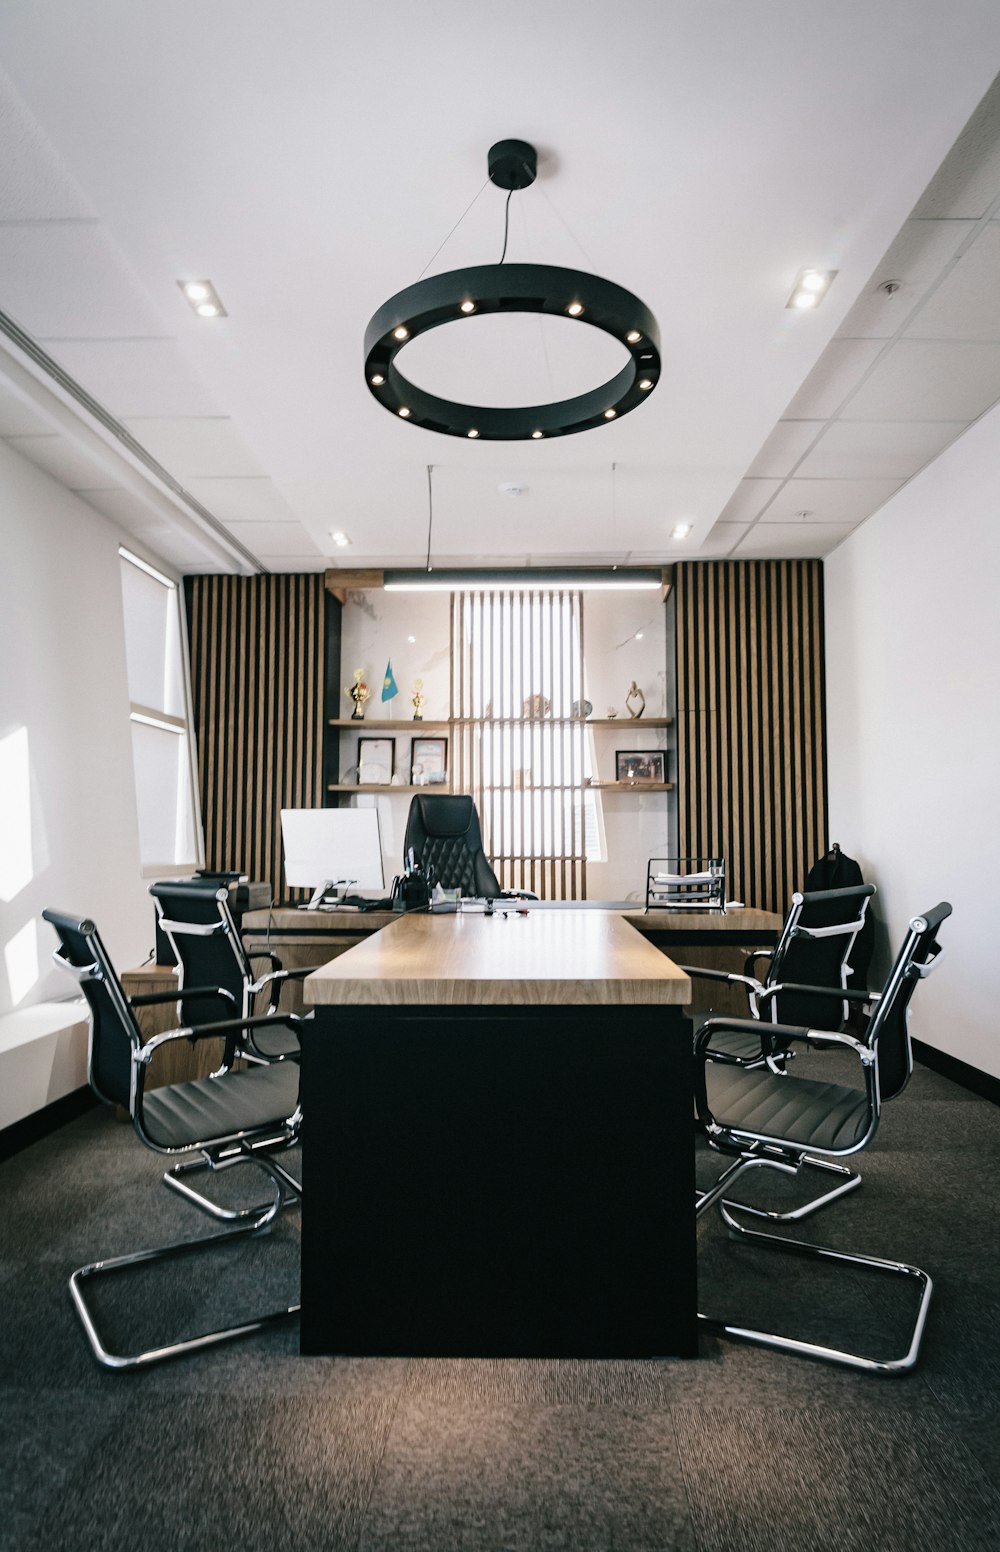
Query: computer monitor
x=325 y=847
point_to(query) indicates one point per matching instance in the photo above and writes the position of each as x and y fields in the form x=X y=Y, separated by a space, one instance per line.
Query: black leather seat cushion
x=190 y=1114
x=825 y=1116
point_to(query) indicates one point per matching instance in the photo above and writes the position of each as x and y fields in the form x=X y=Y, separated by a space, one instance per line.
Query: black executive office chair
x=812 y=951
x=442 y=829
x=229 y=1118
x=775 y=1120
x=209 y=952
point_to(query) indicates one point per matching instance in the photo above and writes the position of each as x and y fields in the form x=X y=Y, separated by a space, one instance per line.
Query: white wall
x=913 y=699
x=68 y=827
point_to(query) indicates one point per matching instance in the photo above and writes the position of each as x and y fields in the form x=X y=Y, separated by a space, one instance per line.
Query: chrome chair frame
x=757 y=1149
x=243 y=1145
x=765 y=993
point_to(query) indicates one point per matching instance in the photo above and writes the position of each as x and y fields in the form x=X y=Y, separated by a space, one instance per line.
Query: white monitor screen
x=332 y=845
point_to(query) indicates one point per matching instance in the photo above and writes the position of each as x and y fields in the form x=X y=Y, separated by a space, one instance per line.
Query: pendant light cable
x=430 y=513
x=451 y=234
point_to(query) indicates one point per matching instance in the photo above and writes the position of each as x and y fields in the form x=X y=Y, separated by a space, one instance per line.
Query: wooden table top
x=553 y=958
x=749 y=919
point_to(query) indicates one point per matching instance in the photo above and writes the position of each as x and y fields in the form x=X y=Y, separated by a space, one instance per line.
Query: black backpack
x=834 y=870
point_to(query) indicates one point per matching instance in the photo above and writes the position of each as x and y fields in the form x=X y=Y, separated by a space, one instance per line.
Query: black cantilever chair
x=209 y=951
x=812 y=951
x=229 y=1118
x=443 y=831
x=774 y=1120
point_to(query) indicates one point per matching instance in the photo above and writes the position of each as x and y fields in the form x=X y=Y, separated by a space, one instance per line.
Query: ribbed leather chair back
x=443 y=831
x=211 y=953
x=113 y=1029
x=888 y=1030
x=816 y=961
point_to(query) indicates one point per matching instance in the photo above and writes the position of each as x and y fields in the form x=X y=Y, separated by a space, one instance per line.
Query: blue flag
x=389 y=686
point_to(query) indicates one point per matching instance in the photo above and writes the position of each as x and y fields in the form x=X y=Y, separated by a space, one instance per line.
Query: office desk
x=498 y=1152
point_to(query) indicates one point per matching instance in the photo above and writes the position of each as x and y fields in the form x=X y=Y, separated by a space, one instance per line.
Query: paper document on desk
x=685 y=878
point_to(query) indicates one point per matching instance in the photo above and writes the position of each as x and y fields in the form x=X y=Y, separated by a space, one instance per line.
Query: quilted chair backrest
x=204 y=937
x=888 y=1029
x=443 y=830
x=816 y=961
x=114 y=1034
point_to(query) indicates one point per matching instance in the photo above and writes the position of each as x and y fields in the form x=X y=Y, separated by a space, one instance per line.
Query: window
x=159 y=712
x=521 y=746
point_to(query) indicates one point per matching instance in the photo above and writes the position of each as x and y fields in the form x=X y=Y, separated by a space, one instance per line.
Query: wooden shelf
x=443 y=725
x=408 y=726
x=629 y=786
x=387 y=786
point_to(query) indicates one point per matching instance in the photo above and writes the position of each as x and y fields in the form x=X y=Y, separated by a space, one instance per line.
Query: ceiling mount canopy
x=517 y=288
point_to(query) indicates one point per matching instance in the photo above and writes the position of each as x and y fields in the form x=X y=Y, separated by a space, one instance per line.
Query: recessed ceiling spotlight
x=536 y=436
x=645 y=383
x=377 y=380
x=411 y=641
x=472 y=432
x=633 y=336
x=468 y=307
x=401 y=333
x=638 y=635
x=810 y=287
x=680 y=530
x=404 y=412
x=203 y=297
x=575 y=309
x=341 y=540
x=610 y=414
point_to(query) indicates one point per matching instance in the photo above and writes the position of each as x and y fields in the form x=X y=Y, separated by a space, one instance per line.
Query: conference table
x=497 y=1150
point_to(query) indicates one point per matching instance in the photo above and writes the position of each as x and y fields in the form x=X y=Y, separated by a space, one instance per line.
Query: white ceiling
x=310 y=158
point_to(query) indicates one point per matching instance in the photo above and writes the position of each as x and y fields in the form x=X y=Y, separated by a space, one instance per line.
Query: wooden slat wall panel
x=751 y=730
x=257 y=677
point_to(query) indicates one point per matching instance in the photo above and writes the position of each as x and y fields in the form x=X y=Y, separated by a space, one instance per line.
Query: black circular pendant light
x=512 y=288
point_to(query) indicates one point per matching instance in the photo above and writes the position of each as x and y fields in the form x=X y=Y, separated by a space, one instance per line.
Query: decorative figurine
x=635 y=694
x=359 y=693
x=612 y=713
x=419 y=700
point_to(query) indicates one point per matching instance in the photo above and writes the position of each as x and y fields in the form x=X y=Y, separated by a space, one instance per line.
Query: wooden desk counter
x=547 y=958
x=498 y=1143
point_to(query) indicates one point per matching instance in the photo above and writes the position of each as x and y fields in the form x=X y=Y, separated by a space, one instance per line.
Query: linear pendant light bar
x=624 y=580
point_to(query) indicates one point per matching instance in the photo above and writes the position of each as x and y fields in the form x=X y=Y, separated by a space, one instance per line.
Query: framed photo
x=640 y=765
x=376 y=761
x=428 y=762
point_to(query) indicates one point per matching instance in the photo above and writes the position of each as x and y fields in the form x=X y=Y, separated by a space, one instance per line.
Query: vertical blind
x=520 y=746
x=751 y=733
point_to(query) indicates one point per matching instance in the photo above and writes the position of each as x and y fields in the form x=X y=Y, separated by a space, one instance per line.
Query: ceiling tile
x=829 y=501
x=865 y=450
x=61 y=458
x=968 y=179
x=930 y=380
x=135 y=376
x=189 y=447
x=915 y=259
x=722 y=541
x=748 y=500
x=33 y=183
x=773 y=540
x=69 y=280
x=839 y=369
x=273 y=538
x=784 y=447
x=966 y=305
x=254 y=499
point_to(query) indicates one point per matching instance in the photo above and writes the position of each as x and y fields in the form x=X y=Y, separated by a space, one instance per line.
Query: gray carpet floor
x=253 y=1447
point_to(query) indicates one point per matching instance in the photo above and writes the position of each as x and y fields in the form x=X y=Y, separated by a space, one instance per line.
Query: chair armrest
x=264 y=953
x=187 y=994
x=769 y=1035
x=751 y=960
x=276 y=979
x=224 y=1027
x=699 y=973
x=835 y=993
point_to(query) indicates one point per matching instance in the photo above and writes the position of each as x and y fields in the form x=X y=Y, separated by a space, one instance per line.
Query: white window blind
x=522 y=748
x=169 y=828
